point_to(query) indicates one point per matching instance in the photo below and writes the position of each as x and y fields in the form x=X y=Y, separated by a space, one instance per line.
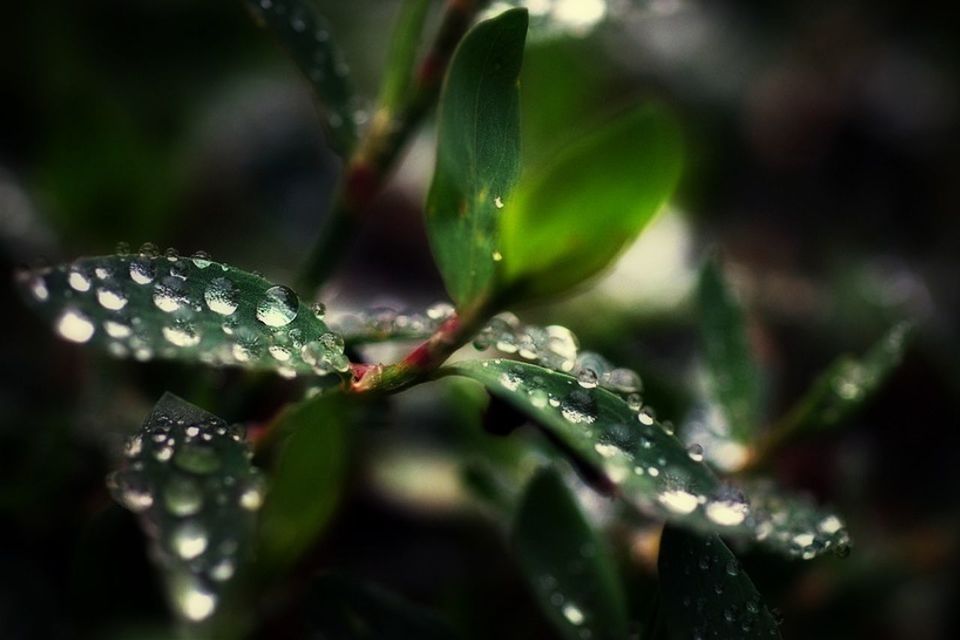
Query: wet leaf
x=189 y=309
x=567 y=563
x=306 y=480
x=570 y=217
x=477 y=154
x=627 y=452
x=846 y=386
x=706 y=594
x=734 y=379
x=187 y=475
x=304 y=33
x=342 y=608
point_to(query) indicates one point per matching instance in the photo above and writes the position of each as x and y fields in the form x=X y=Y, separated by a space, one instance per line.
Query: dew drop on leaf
x=222 y=296
x=75 y=326
x=278 y=307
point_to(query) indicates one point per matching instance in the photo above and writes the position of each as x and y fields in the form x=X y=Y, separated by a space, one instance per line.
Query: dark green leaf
x=846 y=385
x=567 y=563
x=735 y=383
x=188 y=477
x=189 y=309
x=477 y=154
x=341 y=608
x=627 y=452
x=303 y=32
x=569 y=218
x=306 y=480
x=706 y=594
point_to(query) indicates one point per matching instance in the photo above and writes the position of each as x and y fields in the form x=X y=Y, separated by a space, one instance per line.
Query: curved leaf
x=189 y=309
x=302 y=31
x=477 y=154
x=734 y=379
x=305 y=482
x=628 y=453
x=706 y=594
x=568 y=565
x=569 y=218
x=188 y=477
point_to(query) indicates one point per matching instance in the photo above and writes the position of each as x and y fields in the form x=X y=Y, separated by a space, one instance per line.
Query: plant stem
x=390 y=128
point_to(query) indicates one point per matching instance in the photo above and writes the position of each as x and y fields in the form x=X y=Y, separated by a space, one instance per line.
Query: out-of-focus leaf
x=188 y=477
x=735 y=383
x=569 y=218
x=478 y=154
x=847 y=384
x=340 y=608
x=567 y=563
x=626 y=452
x=706 y=594
x=402 y=55
x=189 y=309
x=306 y=480
x=303 y=32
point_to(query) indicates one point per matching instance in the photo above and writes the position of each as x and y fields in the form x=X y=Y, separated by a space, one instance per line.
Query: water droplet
x=201 y=259
x=634 y=402
x=252 y=497
x=195 y=602
x=646 y=416
x=279 y=307
x=319 y=310
x=181 y=335
x=281 y=354
x=223 y=570
x=695 y=451
x=572 y=613
x=727 y=513
x=197 y=459
x=189 y=540
x=830 y=525
x=579 y=408
x=142 y=271
x=678 y=501
x=182 y=497
x=498 y=202
x=587 y=378
x=222 y=296
x=78 y=280
x=169 y=294
x=497 y=256
x=440 y=311
x=111 y=298
x=75 y=326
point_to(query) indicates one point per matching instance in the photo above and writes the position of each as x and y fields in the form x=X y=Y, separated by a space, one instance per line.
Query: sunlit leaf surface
x=567 y=563
x=191 y=309
x=478 y=154
x=187 y=475
x=568 y=218
x=706 y=594
x=637 y=458
x=302 y=31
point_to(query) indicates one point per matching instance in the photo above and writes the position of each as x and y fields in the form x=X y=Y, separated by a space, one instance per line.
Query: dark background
x=822 y=162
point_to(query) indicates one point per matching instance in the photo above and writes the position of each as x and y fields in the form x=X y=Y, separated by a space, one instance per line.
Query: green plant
x=227 y=515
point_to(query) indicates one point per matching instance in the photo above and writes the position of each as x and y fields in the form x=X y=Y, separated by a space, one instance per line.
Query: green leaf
x=846 y=385
x=567 y=563
x=188 y=477
x=306 y=481
x=402 y=54
x=734 y=379
x=628 y=453
x=188 y=309
x=706 y=594
x=342 y=608
x=304 y=33
x=477 y=154
x=570 y=217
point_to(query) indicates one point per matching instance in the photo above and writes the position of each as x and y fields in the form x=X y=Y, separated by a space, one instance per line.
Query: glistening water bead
x=222 y=296
x=278 y=307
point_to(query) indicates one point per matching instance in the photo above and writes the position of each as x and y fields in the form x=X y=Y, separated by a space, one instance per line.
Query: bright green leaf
x=567 y=563
x=628 y=453
x=706 y=594
x=342 y=608
x=477 y=154
x=306 y=480
x=303 y=32
x=570 y=217
x=188 y=309
x=734 y=379
x=188 y=477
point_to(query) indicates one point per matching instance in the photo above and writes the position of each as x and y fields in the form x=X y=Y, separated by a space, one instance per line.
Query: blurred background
x=822 y=162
